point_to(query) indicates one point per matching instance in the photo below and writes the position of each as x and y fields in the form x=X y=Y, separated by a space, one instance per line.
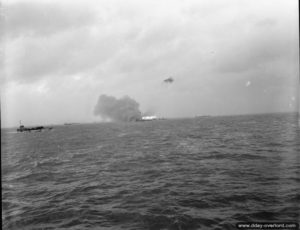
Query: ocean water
x=197 y=173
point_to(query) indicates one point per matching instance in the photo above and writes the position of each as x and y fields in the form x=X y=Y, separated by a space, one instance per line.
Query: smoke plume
x=123 y=109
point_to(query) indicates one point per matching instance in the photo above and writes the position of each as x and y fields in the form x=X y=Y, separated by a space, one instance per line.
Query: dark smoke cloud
x=123 y=109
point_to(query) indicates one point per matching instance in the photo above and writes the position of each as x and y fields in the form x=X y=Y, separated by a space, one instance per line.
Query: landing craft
x=22 y=128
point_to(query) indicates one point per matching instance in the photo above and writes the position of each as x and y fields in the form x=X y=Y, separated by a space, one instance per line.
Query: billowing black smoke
x=123 y=109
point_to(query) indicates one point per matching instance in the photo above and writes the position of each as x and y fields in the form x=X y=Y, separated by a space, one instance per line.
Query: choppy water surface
x=200 y=173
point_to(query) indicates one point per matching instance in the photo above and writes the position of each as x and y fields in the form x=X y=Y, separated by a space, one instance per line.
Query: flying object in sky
x=169 y=80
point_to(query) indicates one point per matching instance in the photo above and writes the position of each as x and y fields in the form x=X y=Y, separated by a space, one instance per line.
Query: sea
x=190 y=173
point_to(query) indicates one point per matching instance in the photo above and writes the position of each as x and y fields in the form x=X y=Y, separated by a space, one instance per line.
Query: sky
x=226 y=57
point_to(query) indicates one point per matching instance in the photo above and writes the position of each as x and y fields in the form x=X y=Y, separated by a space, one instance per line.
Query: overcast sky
x=226 y=57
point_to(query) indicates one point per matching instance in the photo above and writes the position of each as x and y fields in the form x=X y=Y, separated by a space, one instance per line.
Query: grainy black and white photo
x=150 y=115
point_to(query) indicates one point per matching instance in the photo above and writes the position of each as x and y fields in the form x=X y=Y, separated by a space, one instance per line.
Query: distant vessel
x=150 y=118
x=202 y=116
x=71 y=123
